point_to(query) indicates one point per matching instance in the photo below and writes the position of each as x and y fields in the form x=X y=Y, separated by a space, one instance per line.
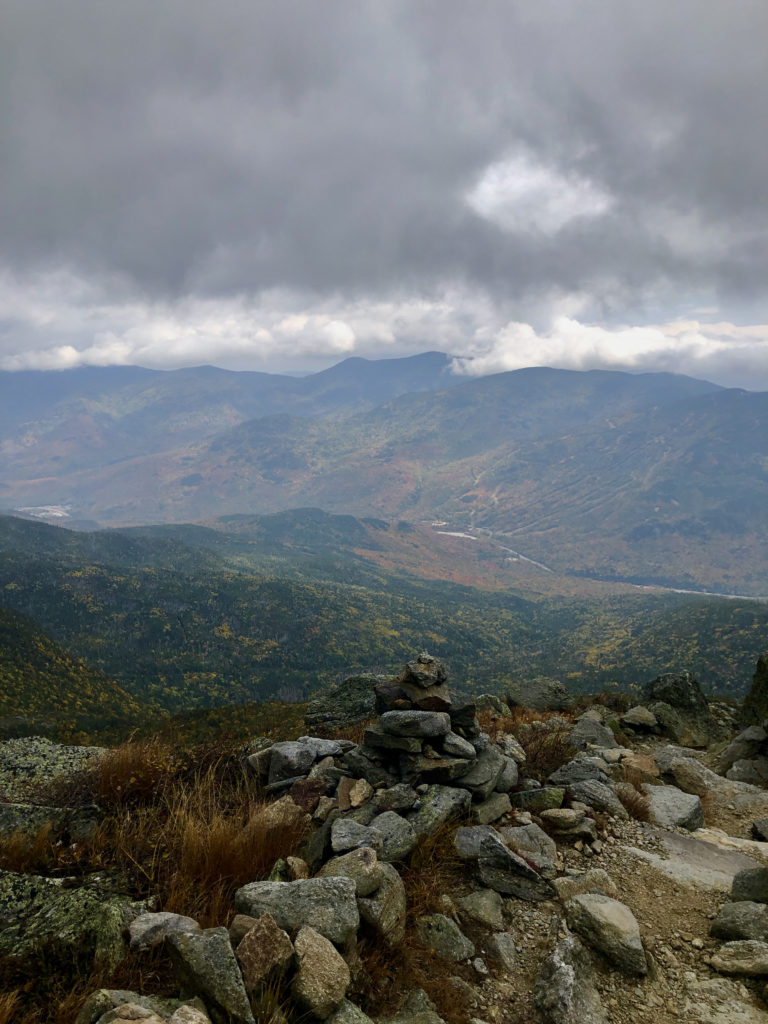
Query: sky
x=279 y=185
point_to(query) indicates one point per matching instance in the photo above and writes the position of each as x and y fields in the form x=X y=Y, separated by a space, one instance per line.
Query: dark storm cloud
x=526 y=151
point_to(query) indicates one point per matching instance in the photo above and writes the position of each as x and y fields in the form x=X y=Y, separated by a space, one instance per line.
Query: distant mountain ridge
x=603 y=473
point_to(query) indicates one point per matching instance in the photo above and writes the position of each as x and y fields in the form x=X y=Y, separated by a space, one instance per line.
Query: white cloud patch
x=723 y=352
x=520 y=194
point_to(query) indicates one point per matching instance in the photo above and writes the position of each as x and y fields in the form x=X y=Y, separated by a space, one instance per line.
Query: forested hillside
x=179 y=626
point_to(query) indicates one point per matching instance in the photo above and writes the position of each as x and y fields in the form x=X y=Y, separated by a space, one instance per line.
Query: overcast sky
x=278 y=185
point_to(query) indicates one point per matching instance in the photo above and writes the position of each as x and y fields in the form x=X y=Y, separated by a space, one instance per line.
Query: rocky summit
x=458 y=862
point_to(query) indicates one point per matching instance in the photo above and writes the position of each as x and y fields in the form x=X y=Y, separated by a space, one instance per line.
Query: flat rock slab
x=694 y=862
x=326 y=904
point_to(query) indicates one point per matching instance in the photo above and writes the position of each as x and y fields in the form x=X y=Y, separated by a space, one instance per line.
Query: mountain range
x=648 y=478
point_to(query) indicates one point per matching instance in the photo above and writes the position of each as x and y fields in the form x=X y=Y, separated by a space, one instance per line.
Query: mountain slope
x=39 y=679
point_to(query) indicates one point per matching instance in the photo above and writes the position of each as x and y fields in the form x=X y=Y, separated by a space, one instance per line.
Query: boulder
x=599 y=797
x=565 y=990
x=264 y=950
x=484 y=906
x=347 y=834
x=423 y=724
x=501 y=946
x=348 y=1013
x=328 y=905
x=289 y=760
x=444 y=937
x=384 y=910
x=609 y=927
x=149 y=930
x=569 y=823
x=205 y=965
x=399 y=798
x=580 y=769
x=755 y=706
x=398 y=836
x=490 y=702
x=350 y=702
x=682 y=693
x=671 y=808
x=81 y=925
x=502 y=870
x=322 y=976
x=594 y=880
x=482 y=776
x=640 y=719
x=742 y=920
x=491 y=809
x=362 y=866
x=746 y=956
x=589 y=733
x=750 y=743
x=750 y=884
x=541 y=694
x=538 y=800
x=103 y=1000
x=418 y=1008
x=457 y=746
x=436 y=806
x=534 y=845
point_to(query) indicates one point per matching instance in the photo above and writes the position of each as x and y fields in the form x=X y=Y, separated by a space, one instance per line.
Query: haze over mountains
x=647 y=477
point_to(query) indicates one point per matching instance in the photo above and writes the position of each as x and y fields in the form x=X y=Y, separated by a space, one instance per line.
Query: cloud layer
x=284 y=184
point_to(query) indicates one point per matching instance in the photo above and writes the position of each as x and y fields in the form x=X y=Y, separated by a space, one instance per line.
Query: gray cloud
x=190 y=164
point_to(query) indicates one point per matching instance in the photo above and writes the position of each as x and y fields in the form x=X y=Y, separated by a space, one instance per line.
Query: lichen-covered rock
x=533 y=844
x=351 y=701
x=326 y=904
x=205 y=964
x=492 y=808
x=81 y=925
x=502 y=870
x=538 y=800
x=589 y=733
x=481 y=777
x=348 y=1013
x=445 y=937
x=398 y=835
x=347 y=834
x=417 y=1009
x=27 y=763
x=436 y=806
x=67 y=824
x=103 y=1000
x=682 y=693
x=422 y=724
x=609 y=927
x=594 y=880
x=565 y=990
x=599 y=797
x=484 y=906
x=322 y=976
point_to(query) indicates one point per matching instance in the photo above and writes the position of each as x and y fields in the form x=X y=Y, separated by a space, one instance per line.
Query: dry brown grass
x=434 y=869
x=546 y=749
x=190 y=839
x=354 y=732
x=635 y=803
x=9 y=1007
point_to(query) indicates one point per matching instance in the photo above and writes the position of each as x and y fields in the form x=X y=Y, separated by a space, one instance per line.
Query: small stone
x=611 y=928
x=444 y=936
x=484 y=906
x=501 y=946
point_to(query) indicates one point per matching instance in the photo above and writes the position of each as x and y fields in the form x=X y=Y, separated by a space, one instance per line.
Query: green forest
x=121 y=625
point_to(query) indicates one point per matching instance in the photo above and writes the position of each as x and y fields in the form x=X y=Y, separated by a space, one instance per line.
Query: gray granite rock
x=436 y=806
x=532 y=843
x=565 y=991
x=750 y=884
x=322 y=975
x=491 y=809
x=484 y=906
x=609 y=927
x=445 y=937
x=384 y=911
x=589 y=733
x=742 y=920
x=424 y=724
x=149 y=930
x=328 y=905
x=506 y=873
x=361 y=865
x=746 y=956
x=398 y=836
x=599 y=797
x=347 y=834
x=205 y=965
x=671 y=808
